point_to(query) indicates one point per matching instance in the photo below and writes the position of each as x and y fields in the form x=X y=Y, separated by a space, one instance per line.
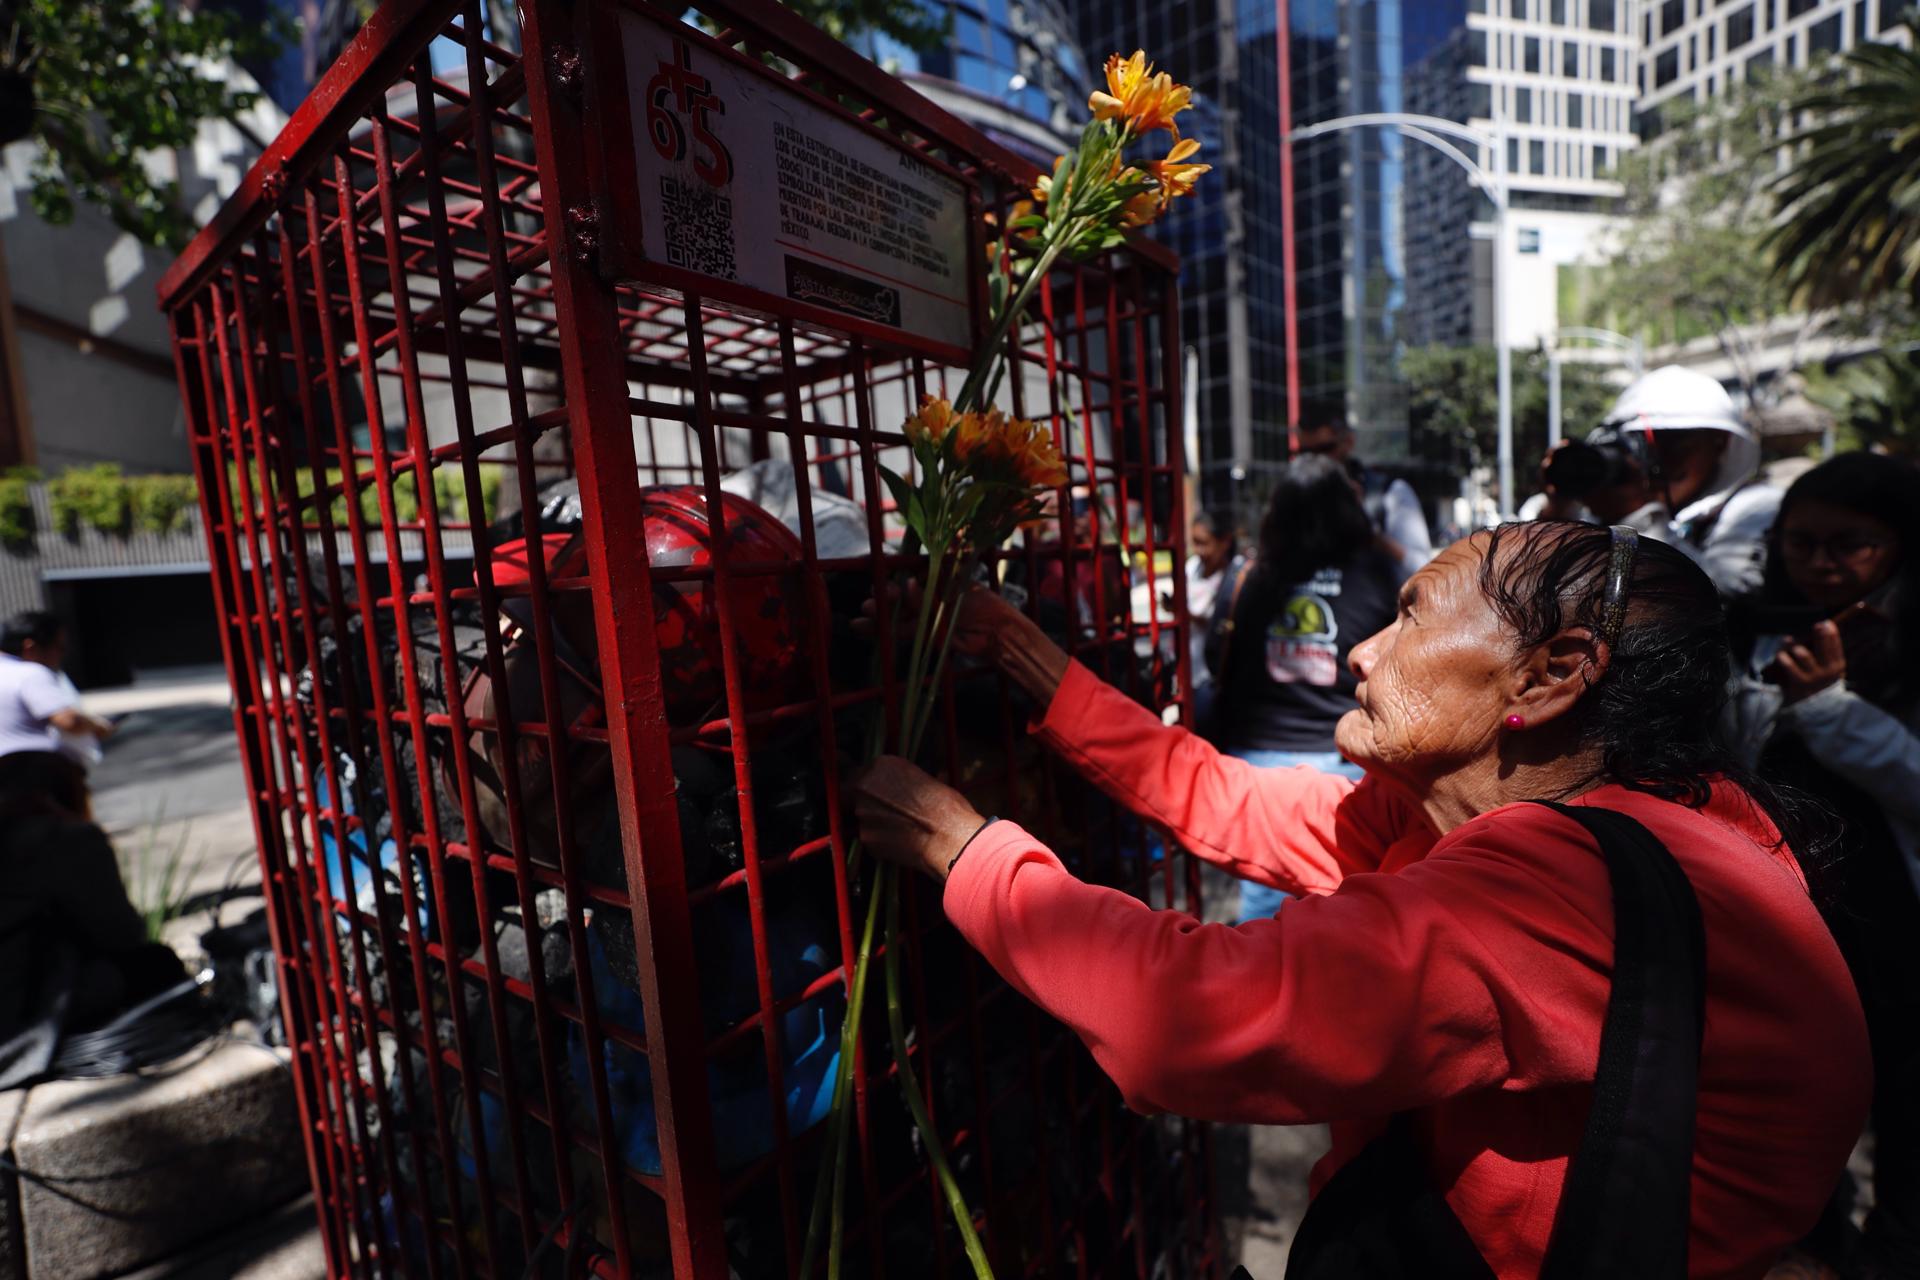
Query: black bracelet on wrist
x=969 y=844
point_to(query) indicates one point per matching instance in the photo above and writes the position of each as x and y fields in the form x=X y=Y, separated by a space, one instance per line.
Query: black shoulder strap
x=1627 y=1201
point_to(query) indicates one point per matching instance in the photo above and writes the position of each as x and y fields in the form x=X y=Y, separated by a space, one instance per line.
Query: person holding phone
x=1830 y=703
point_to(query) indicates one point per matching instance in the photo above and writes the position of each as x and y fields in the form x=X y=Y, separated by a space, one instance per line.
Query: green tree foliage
x=1454 y=407
x=116 y=82
x=906 y=21
x=1875 y=402
x=1850 y=201
x=1688 y=261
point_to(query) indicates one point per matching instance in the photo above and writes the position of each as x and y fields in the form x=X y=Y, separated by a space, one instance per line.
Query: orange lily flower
x=1175 y=175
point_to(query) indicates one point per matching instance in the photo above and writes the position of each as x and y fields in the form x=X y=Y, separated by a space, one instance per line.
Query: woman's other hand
x=909 y=818
x=1805 y=669
x=989 y=628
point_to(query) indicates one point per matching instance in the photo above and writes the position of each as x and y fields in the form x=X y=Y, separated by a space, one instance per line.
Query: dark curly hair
x=1314 y=520
x=1655 y=712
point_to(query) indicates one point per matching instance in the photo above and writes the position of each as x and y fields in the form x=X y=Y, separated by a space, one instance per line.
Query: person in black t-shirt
x=1320 y=584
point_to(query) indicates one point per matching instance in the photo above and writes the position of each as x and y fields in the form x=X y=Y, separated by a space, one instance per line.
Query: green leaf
x=897 y=485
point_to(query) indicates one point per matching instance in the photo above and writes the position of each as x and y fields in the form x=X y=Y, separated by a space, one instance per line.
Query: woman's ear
x=1557 y=674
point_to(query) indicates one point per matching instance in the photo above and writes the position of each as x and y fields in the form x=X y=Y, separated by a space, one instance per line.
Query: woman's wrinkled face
x=1835 y=556
x=1435 y=683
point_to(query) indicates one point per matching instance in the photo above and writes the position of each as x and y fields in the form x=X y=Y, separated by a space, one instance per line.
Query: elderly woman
x=1510 y=1093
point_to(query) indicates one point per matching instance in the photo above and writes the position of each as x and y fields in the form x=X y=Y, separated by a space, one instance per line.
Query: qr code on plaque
x=699 y=227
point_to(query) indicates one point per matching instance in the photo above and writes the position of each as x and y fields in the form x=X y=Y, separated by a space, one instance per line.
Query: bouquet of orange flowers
x=977 y=476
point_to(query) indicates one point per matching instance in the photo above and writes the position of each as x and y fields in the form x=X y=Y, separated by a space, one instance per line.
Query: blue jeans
x=1257 y=901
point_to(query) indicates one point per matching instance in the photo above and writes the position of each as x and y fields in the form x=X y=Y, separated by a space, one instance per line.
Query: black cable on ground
x=155 y=1031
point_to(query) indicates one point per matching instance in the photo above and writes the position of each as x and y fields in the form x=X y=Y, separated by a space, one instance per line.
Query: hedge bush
x=96 y=495
x=16 y=505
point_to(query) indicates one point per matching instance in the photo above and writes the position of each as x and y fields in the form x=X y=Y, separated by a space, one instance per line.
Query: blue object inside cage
x=737 y=1084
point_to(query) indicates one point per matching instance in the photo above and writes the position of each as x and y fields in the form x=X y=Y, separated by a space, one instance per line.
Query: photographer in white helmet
x=1674 y=460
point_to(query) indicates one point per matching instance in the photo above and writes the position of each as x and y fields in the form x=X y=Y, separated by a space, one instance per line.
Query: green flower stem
x=910 y=1087
x=840 y=1123
x=970 y=390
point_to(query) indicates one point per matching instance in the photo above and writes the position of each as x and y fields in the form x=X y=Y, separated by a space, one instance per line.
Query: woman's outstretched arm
x=1296 y=829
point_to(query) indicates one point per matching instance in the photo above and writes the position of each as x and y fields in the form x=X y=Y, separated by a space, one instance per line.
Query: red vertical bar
x=594 y=367
x=204 y=435
x=1289 y=310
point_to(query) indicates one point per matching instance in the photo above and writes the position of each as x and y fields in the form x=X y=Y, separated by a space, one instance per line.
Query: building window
x=1766 y=16
x=1523 y=105
x=1559 y=12
x=1476 y=6
x=1666 y=68
x=1530 y=55
x=1576 y=111
x=1891 y=11
x=1673 y=15
x=1476 y=47
x=1797 y=7
x=1793 y=50
x=1860 y=22
x=1570 y=59
x=1739 y=28
x=1712 y=33
x=1649 y=124
x=1536 y=156
x=1824 y=36
x=1479 y=101
x=1760 y=66
x=1608 y=64
x=1600 y=162
x=1600 y=14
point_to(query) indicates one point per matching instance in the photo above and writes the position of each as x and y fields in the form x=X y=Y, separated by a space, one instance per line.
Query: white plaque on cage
x=746 y=178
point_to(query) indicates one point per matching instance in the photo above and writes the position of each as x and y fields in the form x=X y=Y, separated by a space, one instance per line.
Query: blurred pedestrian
x=1674 y=460
x=1390 y=503
x=1320 y=583
x=38 y=704
x=1830 y=703
x=1215 y=558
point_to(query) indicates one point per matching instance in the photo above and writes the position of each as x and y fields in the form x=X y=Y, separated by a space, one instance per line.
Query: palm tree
x=1849 y=202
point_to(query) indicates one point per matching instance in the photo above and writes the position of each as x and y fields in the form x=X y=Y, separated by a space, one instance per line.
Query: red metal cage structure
x=536 y=543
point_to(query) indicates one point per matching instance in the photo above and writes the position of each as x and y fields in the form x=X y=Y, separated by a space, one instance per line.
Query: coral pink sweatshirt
x=1462 y=976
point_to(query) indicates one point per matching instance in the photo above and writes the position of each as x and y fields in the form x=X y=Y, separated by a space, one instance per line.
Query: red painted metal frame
x=409 y=322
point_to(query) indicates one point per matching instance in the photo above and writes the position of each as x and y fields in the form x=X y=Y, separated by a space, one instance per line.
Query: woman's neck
x=1505 y=777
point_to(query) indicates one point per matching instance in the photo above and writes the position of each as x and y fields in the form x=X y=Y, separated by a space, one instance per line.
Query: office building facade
x=1697 y=49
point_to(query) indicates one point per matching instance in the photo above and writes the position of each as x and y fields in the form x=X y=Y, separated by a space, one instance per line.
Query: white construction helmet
x=1676 y=399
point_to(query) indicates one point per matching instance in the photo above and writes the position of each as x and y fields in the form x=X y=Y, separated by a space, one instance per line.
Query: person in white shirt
x=1399 y=525
x=1675 y=461
x=38 y=704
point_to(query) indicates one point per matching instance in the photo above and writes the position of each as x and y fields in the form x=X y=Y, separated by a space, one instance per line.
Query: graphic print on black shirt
x=1288 y=683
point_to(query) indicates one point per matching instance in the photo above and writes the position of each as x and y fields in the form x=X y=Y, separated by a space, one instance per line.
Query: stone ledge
x=148 y=1165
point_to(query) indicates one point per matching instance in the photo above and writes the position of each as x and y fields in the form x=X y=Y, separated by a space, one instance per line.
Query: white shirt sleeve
x=1735 y=555
x=44 y=693
x=1406 y=524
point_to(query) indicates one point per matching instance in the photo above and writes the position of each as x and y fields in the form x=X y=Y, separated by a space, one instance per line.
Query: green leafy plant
x=1875 y=402
x=156 y=876
x=1850 y=201
x=96 y=496
x=16 y=505
x=161 y=503
x=113 y=83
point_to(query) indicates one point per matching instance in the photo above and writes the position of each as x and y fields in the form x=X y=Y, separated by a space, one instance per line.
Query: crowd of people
x=1535 y=1060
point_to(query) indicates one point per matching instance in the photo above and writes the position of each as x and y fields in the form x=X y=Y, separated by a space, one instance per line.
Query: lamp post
x=1636 y=362
x=1436 y=133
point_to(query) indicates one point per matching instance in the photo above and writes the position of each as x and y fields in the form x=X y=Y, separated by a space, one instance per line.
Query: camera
x=1605 y=458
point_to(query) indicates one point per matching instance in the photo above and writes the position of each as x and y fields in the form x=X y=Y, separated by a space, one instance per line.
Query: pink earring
x=1516 y=722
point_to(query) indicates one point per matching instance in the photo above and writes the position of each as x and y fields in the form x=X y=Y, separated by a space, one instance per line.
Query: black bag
x=1625 y=1207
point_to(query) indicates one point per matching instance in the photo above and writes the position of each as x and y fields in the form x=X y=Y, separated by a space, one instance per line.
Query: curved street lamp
x=1435 y=132
x=1636 y=362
